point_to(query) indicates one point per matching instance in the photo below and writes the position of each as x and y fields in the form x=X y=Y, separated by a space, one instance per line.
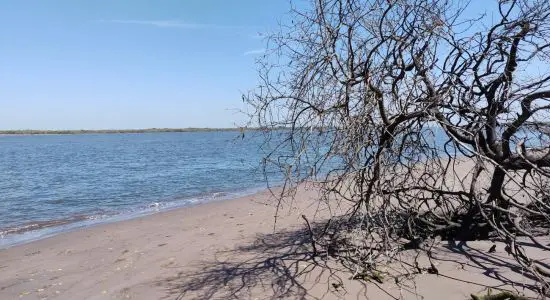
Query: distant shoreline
x=114 y=131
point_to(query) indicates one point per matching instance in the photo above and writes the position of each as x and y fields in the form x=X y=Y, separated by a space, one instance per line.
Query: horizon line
x=140 y=130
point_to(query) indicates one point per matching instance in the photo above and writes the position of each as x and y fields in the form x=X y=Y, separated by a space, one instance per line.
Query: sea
x=55 y=183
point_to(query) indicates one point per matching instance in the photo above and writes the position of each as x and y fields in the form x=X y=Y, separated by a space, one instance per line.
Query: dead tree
x=430 y=119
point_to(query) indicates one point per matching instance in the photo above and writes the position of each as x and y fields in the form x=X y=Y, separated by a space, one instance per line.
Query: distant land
x=106 y=131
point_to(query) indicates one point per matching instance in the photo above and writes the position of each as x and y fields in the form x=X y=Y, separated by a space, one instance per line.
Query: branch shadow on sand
x=284 y=265
x=497 y=266
x=278 y=264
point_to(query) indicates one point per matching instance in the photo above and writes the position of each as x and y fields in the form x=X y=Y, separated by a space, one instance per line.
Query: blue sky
x=106 y=64
x=75 y=64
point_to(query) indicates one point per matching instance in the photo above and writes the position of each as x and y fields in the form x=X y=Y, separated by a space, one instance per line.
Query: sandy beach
x=302 y=149
x=223 y=250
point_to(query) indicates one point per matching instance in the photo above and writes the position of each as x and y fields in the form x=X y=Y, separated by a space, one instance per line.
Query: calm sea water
x=54 y=183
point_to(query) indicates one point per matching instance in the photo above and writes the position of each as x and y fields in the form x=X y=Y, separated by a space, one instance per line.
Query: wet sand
x=223 y=250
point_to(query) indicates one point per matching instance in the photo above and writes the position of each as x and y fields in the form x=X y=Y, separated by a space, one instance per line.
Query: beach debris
x=165 y=265
x=369 y=276
x=67 y=251
x=376 y=276
x=25 y=293
x=33 y=253
x=500 y=296
x=432 y=269
x=337 y=285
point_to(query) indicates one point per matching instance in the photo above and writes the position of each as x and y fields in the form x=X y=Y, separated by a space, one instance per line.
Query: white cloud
x=254 y=52
x=172 y=24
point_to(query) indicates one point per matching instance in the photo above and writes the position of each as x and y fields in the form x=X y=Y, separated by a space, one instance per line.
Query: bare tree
x=430 y=119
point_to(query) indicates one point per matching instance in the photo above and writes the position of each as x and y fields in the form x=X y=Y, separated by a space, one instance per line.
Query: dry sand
x=221 y=250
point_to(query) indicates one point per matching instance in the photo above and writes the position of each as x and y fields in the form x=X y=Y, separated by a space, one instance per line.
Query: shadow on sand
x=278 y=264
x=283 y=265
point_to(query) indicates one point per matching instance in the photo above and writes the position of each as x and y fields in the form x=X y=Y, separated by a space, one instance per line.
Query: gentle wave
x=28 y=232
x=40 y=225
x=51 y=184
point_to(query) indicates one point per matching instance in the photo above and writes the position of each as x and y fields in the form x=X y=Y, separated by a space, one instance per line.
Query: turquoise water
x=50 y=184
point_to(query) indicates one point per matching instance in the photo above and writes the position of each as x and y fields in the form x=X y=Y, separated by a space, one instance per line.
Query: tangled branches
x=429 y=121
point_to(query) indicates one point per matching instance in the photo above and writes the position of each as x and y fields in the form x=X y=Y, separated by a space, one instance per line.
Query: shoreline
x=18 y=235
x=88 y=262
x=221 y=250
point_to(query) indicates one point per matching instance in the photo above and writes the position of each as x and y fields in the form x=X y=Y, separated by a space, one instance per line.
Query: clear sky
x=105 y=64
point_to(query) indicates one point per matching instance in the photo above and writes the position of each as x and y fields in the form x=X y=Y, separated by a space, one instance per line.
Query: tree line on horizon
x=146 y=130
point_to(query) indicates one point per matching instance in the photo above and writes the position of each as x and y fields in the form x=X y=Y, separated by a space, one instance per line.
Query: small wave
x=41 y=225
x=216 y=195
x=36 y=230
x=154 y=205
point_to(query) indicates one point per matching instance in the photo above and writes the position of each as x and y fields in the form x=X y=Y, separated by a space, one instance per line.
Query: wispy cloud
x=254 y=52
x=258 y=35
x=173 y=24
